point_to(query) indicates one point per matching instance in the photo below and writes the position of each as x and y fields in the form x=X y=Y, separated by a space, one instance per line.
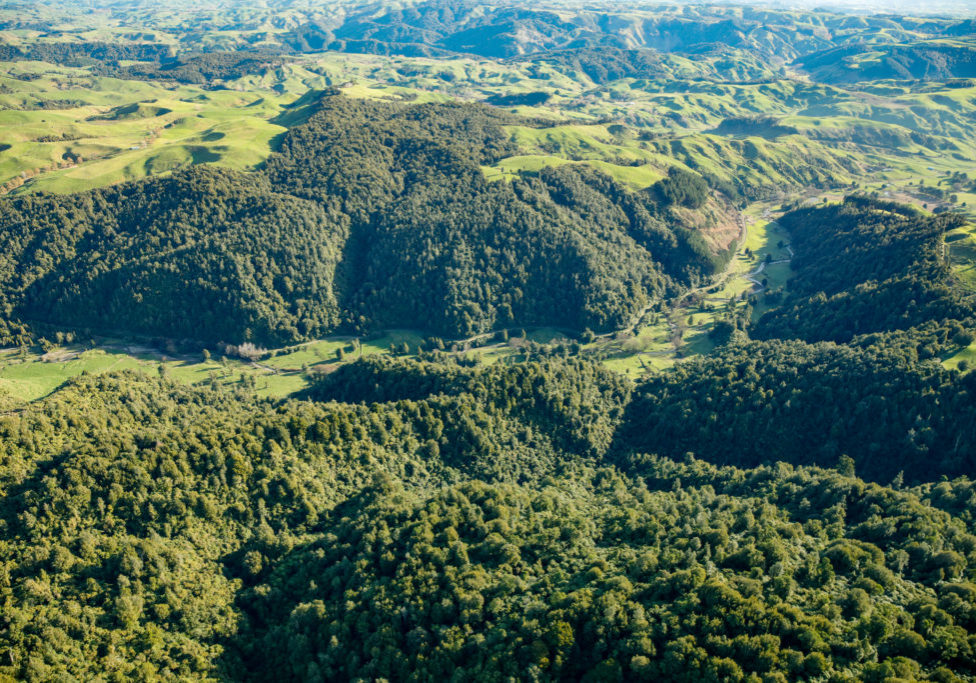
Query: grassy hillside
x=843 y=137
x=935 y=60
x=68 y=131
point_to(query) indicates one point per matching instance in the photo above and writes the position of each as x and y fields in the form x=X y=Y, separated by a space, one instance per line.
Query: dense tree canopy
x=203 y=254
x=371 y=215
x=483 y=526
x=410 y=519
x=681 y=188
x=763 y=402
x=864 y=266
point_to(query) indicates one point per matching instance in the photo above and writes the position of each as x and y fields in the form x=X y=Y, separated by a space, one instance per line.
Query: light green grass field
x=961 y=247
x=966 y=356
x=32 y=376
x=124 y=130
x=128 y=129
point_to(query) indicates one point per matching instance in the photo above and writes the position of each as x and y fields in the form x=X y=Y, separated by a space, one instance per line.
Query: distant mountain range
x=611 y=40
x=509 y=30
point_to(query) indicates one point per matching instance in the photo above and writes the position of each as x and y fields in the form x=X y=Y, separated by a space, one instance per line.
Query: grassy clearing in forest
x=29 y=376
x=961 y=248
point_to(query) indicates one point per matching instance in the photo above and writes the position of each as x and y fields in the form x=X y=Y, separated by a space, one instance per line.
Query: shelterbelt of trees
x=464 y=523
x=370 y=215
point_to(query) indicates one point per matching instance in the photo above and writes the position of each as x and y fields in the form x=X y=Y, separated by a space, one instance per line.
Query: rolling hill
x=929 y=61
x=370 y=215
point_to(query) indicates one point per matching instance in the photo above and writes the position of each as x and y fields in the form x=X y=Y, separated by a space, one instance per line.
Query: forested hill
x=371 y=215
x=485 y=527
x=204 y=253
x=764 y=402
x=868 y=273
x=864 y=266
x=434 y=243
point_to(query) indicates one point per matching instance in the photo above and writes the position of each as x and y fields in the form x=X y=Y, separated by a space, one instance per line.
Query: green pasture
x=123 y=130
